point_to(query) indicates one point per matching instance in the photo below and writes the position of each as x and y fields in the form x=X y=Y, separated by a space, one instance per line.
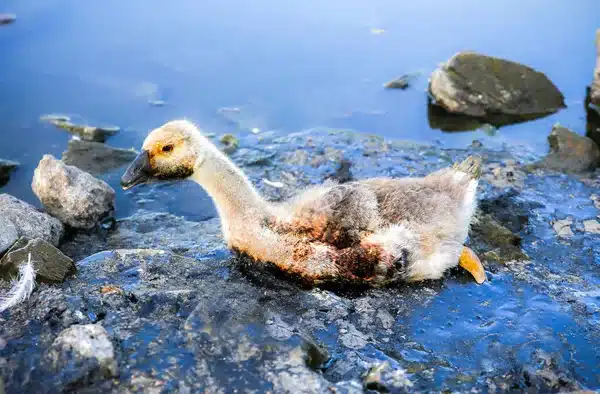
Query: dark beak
x=139 y=171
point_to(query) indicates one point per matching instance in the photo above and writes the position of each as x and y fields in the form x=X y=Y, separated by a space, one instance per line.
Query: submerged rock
x=480 y=86
x=6 y=167
x=595 y=88
x=570 y=152
x=28 y=221
x=7 y=19
x=51 y=264
x=85 y=132
x=8 y=234
x=73 y=196
x=96 y=158
x=81 y=354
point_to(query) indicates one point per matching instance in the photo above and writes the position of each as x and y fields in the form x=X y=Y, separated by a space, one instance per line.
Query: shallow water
x=286 y=65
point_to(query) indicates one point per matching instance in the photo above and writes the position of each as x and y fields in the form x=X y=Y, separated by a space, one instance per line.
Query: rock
x=596 y=200
x=591 y=226
x=342 y=174
x=150 y=230
x=6 y=167
x=51 y=264
x=592 y=118
x=595 y=88
x=510 y=210
x=570 y=152
x=245 y=157
x=28 y=221
x=563 y=228
x=7 y=19
x=481 y=86
x=504 y=176
x=83 y=131
x=73 y=196
x=8 y=234
x=96 y=158
x=85 y=352
x=384 y=378
x=231 y=143
x=398 y=83
x=505 y=246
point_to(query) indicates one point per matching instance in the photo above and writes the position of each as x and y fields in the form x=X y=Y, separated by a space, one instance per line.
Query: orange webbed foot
x=469 y=261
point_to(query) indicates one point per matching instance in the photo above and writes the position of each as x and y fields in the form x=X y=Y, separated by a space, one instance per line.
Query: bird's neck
x=237 y=201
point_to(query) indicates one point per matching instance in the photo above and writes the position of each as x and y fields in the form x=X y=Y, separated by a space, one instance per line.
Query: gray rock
x=29 y=222
x=7 y=19
x=6 y=167
x=96 y=158
x=563 y=228
x=402 y=82
x=245 y=157
x=88 y=348
x=73 y=196
x=51 y=264
x=150 y=230
x=591 y=226
x=595 y=88
x=570 y=152
x=480 y=86
x=8 y=234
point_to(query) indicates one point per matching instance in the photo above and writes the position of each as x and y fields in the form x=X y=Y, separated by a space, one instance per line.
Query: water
x=286 y=65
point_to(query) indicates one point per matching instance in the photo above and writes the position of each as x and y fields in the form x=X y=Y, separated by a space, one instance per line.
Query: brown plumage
x=372 y=231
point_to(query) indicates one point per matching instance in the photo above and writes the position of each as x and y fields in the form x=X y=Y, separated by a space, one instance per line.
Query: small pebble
x=156 y=103
x=276 y=185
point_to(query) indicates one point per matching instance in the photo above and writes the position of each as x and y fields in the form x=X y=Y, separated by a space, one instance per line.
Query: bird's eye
x=167 y=148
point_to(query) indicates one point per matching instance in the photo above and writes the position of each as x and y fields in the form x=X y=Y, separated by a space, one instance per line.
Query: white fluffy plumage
x=22 y=287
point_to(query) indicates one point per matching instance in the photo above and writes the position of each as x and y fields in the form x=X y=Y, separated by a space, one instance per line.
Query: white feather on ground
x=22 y=287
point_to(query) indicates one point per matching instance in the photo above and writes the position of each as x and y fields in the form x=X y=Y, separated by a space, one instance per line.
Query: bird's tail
x=471 y=166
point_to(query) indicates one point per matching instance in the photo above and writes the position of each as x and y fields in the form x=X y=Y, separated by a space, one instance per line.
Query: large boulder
x=28 y=221
x=595 y=89
x=73 y=196
x=50 y=264
x=483 y=86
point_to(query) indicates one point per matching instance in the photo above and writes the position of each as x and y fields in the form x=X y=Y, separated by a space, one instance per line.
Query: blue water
x=288 y=65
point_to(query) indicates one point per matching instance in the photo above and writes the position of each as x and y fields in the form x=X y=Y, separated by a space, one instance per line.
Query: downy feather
x=22 y=287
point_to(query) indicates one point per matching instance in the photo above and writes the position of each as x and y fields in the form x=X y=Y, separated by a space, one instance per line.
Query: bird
x=372 y=232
